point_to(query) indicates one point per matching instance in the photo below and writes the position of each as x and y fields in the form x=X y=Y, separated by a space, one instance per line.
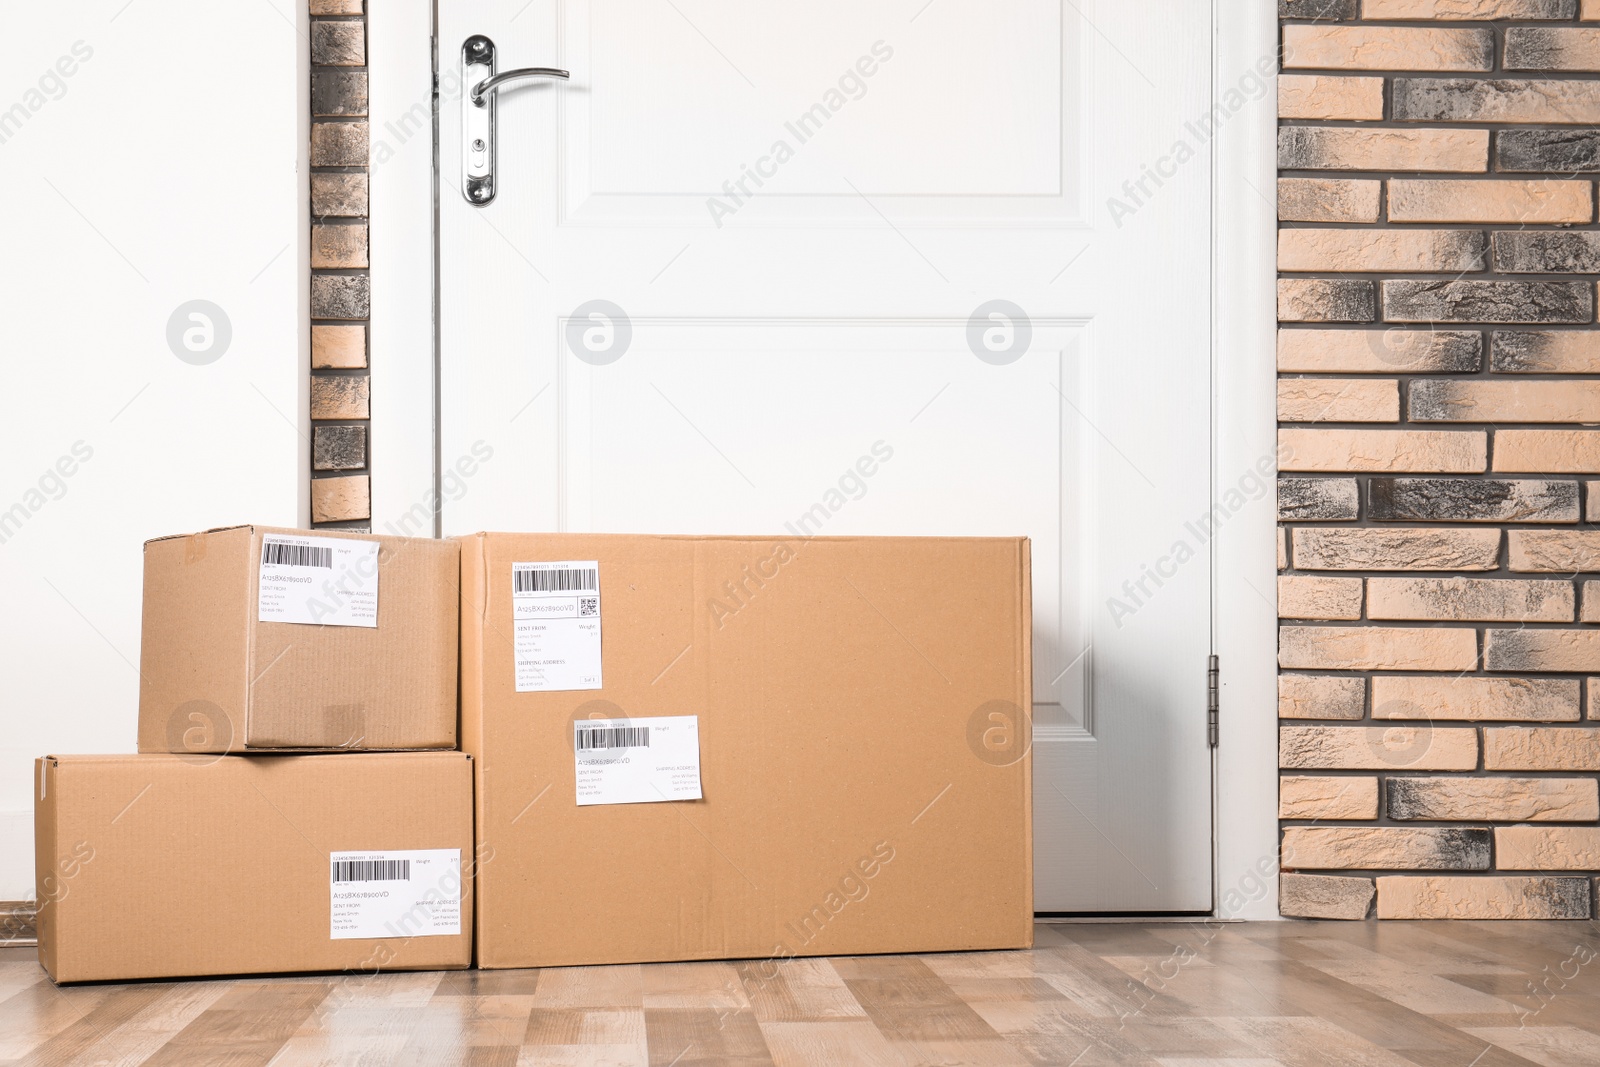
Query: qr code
x=587 y=606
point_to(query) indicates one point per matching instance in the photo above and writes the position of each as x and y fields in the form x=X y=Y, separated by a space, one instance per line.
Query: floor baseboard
x=17 y=922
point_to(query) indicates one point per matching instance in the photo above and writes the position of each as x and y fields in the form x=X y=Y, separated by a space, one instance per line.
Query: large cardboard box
x=166 y=866
x=261 y=638
x=858 y=723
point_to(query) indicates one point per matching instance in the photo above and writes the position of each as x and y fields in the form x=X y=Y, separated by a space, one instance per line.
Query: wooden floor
x=1290 y=993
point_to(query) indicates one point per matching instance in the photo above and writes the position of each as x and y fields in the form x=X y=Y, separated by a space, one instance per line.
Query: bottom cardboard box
x=159 y=866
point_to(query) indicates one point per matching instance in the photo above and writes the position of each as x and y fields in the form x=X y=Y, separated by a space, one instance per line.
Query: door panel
x=744 y=247
x=864 y=106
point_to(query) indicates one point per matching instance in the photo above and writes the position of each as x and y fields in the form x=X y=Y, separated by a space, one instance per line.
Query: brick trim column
x=340 y=282
x=1438 y=397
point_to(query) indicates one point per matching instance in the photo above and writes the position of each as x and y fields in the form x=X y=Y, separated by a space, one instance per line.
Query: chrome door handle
x=477 y=114
x=489 y=85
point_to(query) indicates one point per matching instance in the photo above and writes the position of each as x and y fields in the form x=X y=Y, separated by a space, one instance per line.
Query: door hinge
x=1213 y=700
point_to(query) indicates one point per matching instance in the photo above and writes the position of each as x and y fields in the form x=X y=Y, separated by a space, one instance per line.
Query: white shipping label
x=415 y=893
x=329 y=581
x=555 y=616
x=637 y=761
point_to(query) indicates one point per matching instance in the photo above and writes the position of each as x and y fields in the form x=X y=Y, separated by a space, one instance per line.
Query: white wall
x=152 y=153
x=1245 y=619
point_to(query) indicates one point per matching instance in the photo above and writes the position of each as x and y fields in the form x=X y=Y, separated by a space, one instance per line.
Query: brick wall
x=340 y=286
x=1439 y=386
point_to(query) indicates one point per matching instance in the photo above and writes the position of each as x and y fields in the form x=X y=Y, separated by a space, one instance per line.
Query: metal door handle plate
x=478 y=114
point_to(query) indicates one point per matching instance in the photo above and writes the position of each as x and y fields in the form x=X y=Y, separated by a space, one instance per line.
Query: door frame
x=406 y=467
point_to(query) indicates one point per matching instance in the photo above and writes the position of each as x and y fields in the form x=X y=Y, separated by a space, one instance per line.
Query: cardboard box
x=864 y=781
x=167 y=866
x=260 y=638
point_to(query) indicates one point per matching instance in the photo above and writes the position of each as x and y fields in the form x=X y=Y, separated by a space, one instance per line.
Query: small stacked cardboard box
x=297 y=803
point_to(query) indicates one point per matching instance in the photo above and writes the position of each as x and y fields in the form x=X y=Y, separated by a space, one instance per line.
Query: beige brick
x=1460 y=799
x=338 y=347
x=1283 y=549
x=336 y=245
x=1462 y=10
x=1338 y=148
x=341 y=194
x=1552 y=48
x=1392 y=351
x=1541 y=650
x=1327 y=300
x=1389 y=451
x=1386 y=48
x=1547 y=451
x=1469 y=599
x=339 y=144
x=1590 y=11
x=1526 y=400
x=1589 y=602
x=1415 y=848
x=1400 y=897
x=1554 y=551
x=1378 y=548
x=1468 y=697
x=1312 y=499
x=1377 y=748
x=1321 y=696
x=1388 y=251
x=1541 y=748
x=1304 y=797
x=1546 y=351
x=1548 y=848
x=1325 y=96
x=343 y=397
x=1324 y=896
x=1377 y=648
x=1436 y=200
x=1338 y=400
x=1328 y=199
x=344 y=499
x=1304 y=596
x=1591 y=506
x=1594 y=698
x=336 y=7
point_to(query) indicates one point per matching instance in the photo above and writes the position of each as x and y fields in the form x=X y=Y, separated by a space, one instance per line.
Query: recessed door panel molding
x=889 y=396
x=670 y=129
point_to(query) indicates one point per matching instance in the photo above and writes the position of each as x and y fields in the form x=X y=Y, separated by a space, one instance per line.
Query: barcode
x=371 y=871
x=296 y=555
x=565 y=580
x=613 y=737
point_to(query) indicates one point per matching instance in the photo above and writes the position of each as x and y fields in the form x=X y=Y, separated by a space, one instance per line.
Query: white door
x=747 y=245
